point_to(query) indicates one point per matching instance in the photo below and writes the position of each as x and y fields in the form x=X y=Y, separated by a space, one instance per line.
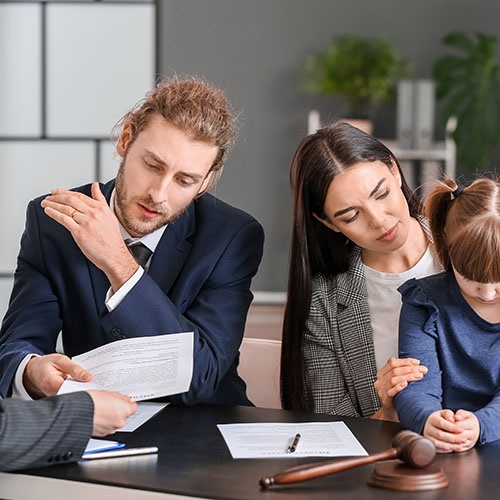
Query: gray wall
x=255 y=49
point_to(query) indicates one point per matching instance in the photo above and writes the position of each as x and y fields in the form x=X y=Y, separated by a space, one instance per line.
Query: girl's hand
x=451 y=432
x=470 y=426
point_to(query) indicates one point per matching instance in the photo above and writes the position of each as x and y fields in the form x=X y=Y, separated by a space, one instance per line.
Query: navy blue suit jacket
x=199 y=280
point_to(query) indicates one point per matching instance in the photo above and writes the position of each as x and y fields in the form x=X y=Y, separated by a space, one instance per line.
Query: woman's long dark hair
x=315 y=248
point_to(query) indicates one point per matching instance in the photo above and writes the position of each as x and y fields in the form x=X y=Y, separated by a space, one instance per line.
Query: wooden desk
x=194 y=462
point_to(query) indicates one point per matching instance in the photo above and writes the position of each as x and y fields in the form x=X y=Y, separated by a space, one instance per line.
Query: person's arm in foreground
x=57 y=429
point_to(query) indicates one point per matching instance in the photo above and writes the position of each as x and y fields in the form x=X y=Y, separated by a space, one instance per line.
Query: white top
x=384 y=302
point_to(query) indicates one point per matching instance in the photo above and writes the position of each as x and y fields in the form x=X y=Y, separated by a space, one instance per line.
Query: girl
x=451 y=322
x=357 y=235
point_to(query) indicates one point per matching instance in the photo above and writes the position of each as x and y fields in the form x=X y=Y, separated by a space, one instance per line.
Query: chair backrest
x=260 y=369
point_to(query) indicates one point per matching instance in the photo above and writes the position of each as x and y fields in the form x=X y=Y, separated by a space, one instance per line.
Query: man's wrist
x=114 y=299
x=17 y=387
x=28 y=385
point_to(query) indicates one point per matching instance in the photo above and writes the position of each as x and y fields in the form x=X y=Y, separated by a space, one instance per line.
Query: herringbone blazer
x=339 y=355
x=44 y=432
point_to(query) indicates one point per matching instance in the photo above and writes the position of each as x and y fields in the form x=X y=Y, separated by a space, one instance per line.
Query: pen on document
x=120 y=453
x=293 y=446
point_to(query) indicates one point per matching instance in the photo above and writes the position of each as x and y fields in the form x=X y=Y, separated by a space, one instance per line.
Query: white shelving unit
x=421 y=166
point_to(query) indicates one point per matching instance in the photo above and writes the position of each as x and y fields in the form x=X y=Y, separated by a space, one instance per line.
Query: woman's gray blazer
x=339 y=355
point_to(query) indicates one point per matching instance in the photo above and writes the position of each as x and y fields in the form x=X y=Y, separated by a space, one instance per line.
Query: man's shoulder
x=216 y=210
x=106 y=189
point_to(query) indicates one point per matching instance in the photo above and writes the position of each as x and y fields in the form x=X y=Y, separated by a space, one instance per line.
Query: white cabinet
x=70 y=70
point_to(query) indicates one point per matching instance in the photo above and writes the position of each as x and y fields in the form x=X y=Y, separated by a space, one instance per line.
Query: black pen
x=293 y=446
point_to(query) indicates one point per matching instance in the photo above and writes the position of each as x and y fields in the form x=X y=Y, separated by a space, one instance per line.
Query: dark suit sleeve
x=216 y=313
x=33 y=319
x=44 y=432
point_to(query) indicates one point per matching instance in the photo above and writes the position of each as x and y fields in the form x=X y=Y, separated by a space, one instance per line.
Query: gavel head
x=414 y=449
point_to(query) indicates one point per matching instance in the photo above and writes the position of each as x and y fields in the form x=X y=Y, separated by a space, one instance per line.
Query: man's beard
x=139 y=226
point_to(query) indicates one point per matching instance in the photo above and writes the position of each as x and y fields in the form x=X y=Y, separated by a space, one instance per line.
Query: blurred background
x=70 y=70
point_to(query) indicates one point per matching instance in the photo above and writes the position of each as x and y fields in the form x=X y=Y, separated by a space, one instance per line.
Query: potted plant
x=468 y=84
x=364 y=71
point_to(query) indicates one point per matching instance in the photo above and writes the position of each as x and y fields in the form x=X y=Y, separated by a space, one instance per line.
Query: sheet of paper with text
x=140 y=367
x=273 y=440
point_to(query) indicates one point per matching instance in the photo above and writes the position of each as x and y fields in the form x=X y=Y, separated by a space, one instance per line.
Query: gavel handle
x=312 y=471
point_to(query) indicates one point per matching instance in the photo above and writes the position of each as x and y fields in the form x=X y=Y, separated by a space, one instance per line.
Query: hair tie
x=456 y=193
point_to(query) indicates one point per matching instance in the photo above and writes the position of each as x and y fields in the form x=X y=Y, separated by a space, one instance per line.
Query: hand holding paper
x=141 y=367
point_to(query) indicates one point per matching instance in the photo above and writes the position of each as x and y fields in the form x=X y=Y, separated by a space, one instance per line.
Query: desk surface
x=194 y=461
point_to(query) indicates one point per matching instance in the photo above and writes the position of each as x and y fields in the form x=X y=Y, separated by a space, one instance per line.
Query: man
x=75 y=273
x=57 y=429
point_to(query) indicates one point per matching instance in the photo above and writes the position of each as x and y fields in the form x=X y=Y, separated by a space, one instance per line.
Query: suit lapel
x=172 y=250
x=353 y=317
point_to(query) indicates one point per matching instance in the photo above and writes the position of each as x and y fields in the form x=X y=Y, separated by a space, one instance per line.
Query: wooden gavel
x=414 y=450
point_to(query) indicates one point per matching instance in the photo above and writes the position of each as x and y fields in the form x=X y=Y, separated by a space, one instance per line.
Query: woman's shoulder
x=323 y=285
x=327 y=282
x=343 y=288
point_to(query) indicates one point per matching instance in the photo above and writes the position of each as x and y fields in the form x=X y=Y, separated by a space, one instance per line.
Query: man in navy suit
x=76 y=275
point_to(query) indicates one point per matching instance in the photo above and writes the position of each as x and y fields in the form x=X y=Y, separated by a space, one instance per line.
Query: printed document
x=273 y=440
x=145 y=411
x=140 y=367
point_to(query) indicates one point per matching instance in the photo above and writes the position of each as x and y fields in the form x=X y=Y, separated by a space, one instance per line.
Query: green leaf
x=468 y=84
x=364 y=71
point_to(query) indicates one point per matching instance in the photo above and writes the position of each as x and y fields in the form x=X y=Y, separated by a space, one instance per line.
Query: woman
x=357 y=235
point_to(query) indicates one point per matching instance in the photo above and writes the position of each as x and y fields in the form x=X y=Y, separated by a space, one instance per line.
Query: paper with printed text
x=140 y=367
x=272 y=440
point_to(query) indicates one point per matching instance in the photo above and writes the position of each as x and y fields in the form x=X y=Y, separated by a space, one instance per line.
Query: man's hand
x=395 y=375
x=95 y=229
x=111 y=410
x=451 y=431
x=44 y=375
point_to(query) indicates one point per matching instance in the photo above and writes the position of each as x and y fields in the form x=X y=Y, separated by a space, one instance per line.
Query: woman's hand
x=396 y=374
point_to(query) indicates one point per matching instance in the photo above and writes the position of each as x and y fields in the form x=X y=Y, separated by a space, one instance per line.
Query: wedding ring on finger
x=72 y=215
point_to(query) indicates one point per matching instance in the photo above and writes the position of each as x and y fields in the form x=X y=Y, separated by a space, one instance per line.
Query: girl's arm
x=418 y=339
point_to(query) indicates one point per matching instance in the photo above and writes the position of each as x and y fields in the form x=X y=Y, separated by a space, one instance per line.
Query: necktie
x=141 y=253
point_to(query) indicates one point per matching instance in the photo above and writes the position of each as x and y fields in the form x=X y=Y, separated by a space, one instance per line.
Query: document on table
x=141 y=367
x=145 y=411
x=272 y=440
x=98 y=445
